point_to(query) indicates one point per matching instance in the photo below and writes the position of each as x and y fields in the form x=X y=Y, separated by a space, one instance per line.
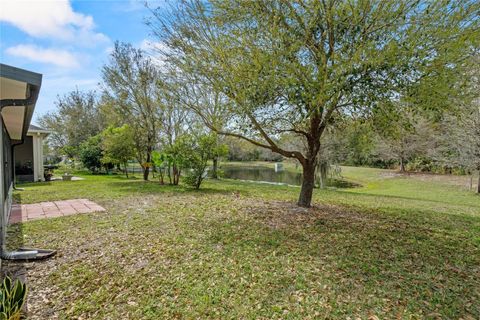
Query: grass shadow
x=342 y=184
x=153 y=187
x=386 y=196
x=394 y=258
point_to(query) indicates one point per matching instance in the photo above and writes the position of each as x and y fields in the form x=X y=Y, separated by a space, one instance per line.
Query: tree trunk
x=402 y=165
x=199 y=182
x=146 y=172
x=126 y=169
x=478 y=183
x=174 y=171
x=146 y=169
x=169 y=174
x=161 y=174
x=308 y=183
x=214 y=168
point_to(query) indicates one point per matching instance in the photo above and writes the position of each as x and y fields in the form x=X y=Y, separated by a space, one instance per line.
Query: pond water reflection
x=265 y=174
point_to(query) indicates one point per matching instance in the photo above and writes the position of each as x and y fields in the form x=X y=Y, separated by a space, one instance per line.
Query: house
x=28 y=157
x=19 y=91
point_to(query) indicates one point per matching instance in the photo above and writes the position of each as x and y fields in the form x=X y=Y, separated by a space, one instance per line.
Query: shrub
x=198 y=151
x=12 y=298
x=91 y=153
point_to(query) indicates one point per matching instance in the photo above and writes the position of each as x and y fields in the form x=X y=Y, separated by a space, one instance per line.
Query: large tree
x=293 y=66
x=72 y=109
x=131 y=91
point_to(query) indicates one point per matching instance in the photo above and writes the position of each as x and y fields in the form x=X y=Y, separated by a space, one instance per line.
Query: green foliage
x=199 y=150
x=173 y=159
x=132 y=96
x=118 y=146
x=359 y=144
x=219 y=150
x=219 y=174
x=77 y=117
x=12 y=297
x=69 y=150
x=426 y=164
x=91 y=153
x=67 y=167
x=298 y=66
x=176 y=154
x=162 y=162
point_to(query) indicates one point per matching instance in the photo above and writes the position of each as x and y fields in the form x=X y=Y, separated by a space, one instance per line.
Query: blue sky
x=68 y=41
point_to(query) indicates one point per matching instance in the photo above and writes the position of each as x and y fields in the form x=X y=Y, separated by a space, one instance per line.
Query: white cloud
x=50 y=19
x=58 y=57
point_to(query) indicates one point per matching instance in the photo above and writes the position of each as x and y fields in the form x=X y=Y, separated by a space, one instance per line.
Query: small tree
x=90 y=153
x=161 y=162
x=173 y=159
x=199 y=151
x=118 y=146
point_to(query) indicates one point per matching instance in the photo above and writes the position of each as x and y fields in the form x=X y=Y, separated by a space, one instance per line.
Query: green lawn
x=399 y=247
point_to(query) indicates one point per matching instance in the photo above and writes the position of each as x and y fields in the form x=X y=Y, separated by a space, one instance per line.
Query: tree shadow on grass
x=387 y=197
x=378 y=263
x=152 y=187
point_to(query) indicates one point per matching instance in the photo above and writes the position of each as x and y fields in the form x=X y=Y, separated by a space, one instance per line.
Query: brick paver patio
x=26 y=212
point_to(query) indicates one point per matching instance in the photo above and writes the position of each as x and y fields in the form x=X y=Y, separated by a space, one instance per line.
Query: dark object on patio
x=47 y=175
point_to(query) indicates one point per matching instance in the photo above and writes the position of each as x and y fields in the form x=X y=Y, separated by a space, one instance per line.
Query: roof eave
x=33 y=81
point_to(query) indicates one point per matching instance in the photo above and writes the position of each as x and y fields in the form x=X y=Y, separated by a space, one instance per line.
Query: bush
x=91 y=153
x=194 y=178
x=198 y=150
x=420 y=165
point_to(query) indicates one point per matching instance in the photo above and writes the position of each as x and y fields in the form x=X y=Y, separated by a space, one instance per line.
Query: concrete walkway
x=42 y=210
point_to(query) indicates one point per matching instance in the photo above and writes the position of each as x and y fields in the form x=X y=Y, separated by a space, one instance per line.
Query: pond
x=263 y=174
x=268 y=175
